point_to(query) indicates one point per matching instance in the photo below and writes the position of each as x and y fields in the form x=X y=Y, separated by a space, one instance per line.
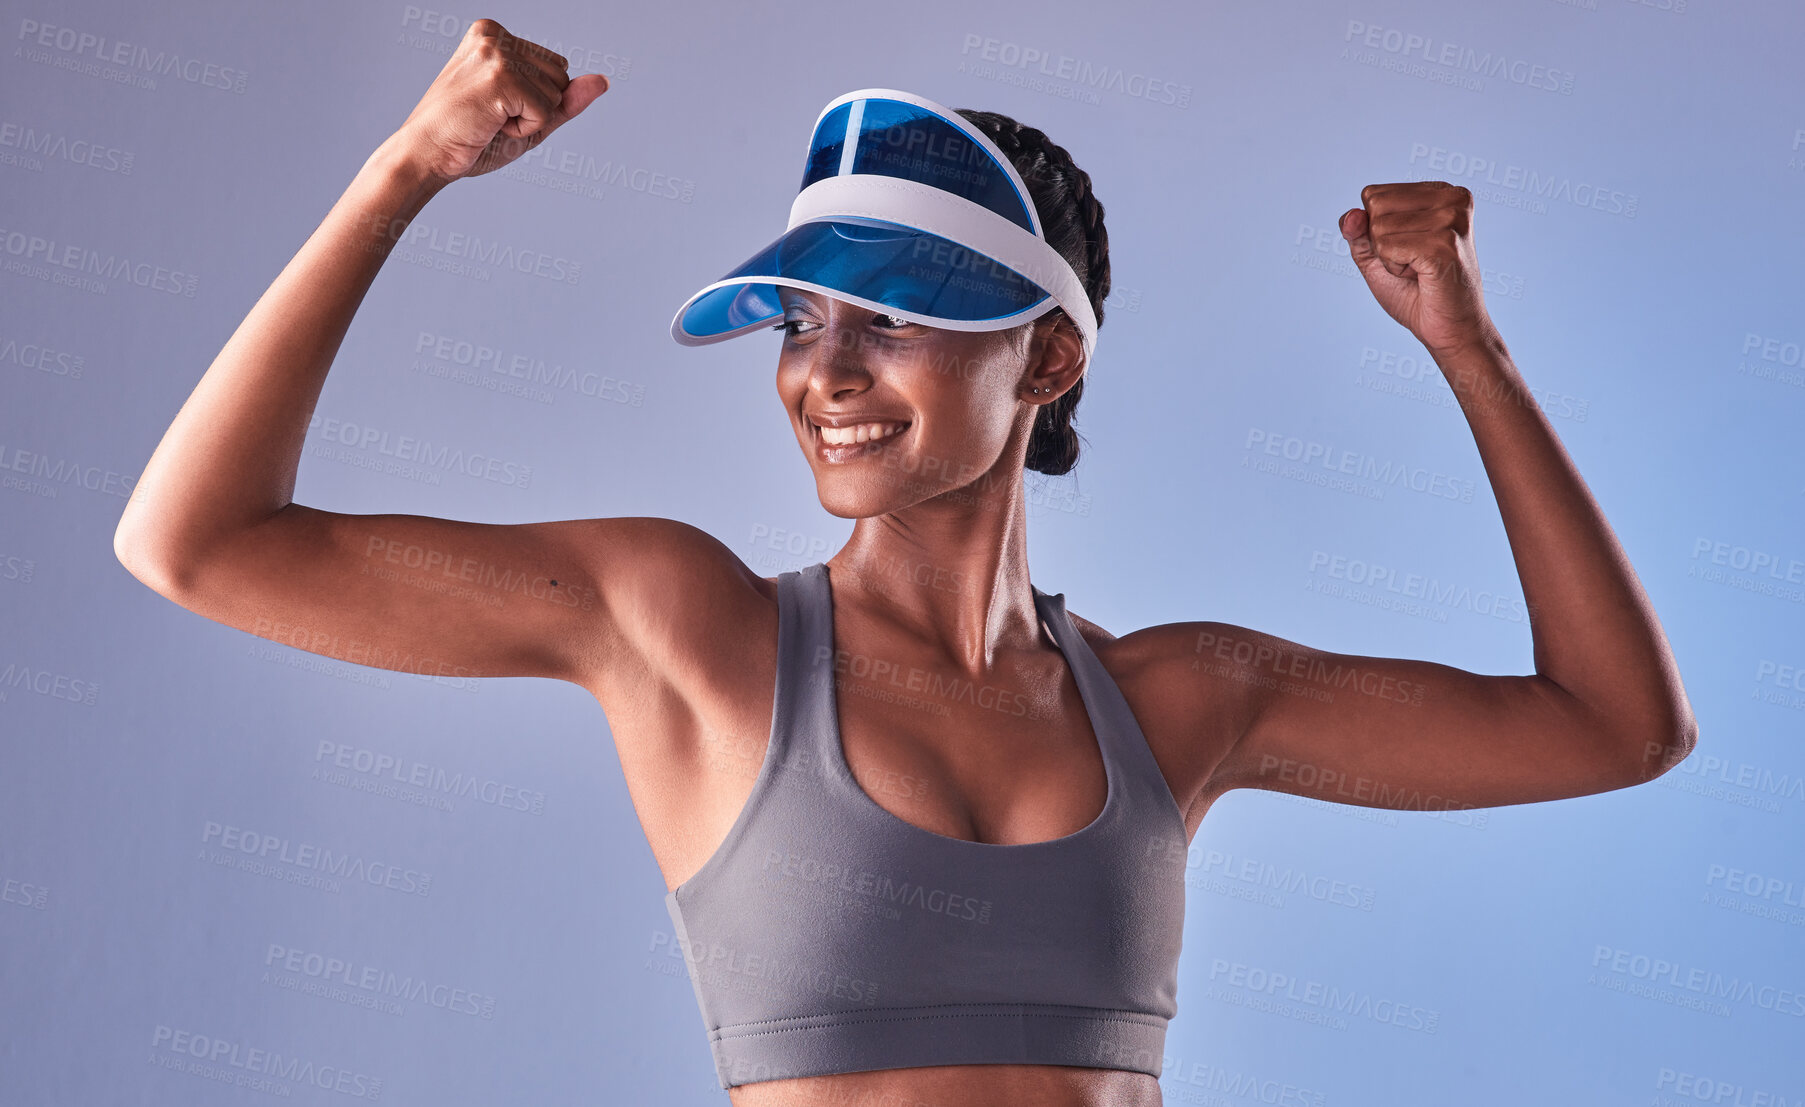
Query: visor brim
x=876 y=264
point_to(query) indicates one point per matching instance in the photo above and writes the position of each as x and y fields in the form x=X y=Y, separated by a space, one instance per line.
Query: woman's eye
x=794 y=327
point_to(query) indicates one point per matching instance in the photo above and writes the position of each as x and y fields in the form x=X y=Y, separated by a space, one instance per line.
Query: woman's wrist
x=400 y=168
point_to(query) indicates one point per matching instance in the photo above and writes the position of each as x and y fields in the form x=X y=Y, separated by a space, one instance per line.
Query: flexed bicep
x=1392 y=732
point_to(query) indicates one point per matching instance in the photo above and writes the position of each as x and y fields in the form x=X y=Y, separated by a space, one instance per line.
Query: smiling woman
x=920 y=373
x=1005 y=926
x=961 y=221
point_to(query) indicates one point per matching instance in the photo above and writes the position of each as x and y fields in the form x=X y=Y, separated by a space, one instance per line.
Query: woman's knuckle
x=486 y=51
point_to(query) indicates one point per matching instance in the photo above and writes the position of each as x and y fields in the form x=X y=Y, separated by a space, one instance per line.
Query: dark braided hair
x=1072 y=220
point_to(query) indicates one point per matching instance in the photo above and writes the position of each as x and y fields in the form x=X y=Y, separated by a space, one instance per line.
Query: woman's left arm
x=1605 y=707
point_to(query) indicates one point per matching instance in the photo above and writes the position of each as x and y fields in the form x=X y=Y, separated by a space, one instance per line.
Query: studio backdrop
x=1262 y=446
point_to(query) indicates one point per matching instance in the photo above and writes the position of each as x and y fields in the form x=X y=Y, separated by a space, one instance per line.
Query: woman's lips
x=842 y=452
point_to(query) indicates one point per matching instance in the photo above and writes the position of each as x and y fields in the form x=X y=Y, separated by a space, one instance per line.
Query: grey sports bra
x=827 y=935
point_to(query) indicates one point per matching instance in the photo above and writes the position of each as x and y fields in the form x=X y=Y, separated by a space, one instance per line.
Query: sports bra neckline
x=1047 y=610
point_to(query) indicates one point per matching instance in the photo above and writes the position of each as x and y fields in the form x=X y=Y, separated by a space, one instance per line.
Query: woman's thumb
x=578 y=94
x=1353 y=228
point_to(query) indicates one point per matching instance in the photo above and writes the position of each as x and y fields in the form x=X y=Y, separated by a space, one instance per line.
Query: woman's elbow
x=1664 y=748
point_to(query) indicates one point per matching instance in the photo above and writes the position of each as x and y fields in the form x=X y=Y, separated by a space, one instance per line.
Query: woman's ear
x=1055 y=352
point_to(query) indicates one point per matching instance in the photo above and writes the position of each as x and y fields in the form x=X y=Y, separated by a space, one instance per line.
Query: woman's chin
x=856 y=499
x=854 y=507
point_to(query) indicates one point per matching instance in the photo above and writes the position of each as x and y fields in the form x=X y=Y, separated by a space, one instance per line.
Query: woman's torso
x=692 y=755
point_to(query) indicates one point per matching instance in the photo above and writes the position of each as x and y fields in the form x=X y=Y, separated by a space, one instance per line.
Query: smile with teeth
x=863 y=432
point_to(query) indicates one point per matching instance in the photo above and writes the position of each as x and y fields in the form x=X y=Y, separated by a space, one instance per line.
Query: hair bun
x=1071 y=217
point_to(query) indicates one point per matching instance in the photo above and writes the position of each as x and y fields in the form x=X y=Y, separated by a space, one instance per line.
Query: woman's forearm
x=1595 y=633
x=229 y=458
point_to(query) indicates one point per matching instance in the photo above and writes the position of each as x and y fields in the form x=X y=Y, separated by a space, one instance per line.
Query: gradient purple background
x=1640 y=224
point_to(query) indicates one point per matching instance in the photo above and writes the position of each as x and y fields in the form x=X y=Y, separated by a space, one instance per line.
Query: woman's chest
x=1005 y=759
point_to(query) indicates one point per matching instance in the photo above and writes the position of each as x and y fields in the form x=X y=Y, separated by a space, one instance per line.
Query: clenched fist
x=497 y=97
x=1413 y=243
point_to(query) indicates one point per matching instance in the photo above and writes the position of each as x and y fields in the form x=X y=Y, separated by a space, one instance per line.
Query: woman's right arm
x=212 y=526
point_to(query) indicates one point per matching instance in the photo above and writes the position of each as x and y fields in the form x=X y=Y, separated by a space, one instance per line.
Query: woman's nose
x=847 y=338
x=840 y=350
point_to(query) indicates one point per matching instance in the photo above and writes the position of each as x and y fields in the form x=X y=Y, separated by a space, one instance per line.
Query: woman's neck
x=952 y=574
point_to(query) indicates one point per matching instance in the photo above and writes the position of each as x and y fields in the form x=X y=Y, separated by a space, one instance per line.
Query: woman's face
x=958 y=396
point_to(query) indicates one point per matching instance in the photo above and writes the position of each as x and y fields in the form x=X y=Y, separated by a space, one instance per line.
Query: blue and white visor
x=908 y=209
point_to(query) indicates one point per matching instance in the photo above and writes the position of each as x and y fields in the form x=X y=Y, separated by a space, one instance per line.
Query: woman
x=923 y=832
